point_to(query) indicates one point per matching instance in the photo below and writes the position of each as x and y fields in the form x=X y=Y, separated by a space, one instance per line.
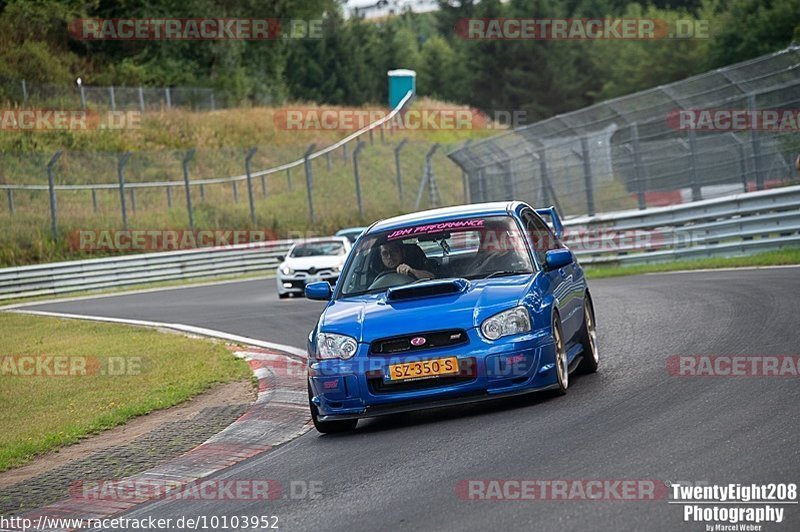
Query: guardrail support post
x=94 y=200
x=10 y=200
x=433 y=187
x=309 y=181
x=751 y=106
x=383 y=139
x=543 y=186
x=247 y=159
x=168 y=98
x=344 y=153
x=141 y=99
x=186 y=159
x=51 y=183
x=133 y=200
x=357 y=177
x=83 y=98
x=235 y=193
x=24 y=93
x=169 y=197
x=289 y=178
x=123 y=160
x=328 y=161
x=637 y=162
x=264 y=186
x=371 y=138
x=506 y=166
x=587 y=176
x=743 y=166
x=202 y=192
x=398 y=171
x=465 y=176
x=113 y=99
x=482 y=184
x=697 y=192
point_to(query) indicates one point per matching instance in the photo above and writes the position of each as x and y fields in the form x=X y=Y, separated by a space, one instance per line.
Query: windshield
x=316 y=249
x=471 y=248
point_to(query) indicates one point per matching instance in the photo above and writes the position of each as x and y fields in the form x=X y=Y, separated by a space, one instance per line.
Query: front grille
x=413 y=342
x=467 y=373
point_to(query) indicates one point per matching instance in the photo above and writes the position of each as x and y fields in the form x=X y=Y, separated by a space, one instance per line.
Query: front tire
x=562 y=367
x=588 y=338
x=329 y=427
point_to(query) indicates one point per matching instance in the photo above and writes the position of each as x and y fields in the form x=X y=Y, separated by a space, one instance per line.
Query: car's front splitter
x=473 y=397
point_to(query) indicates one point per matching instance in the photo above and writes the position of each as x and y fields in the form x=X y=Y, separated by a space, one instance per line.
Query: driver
x=393 y=258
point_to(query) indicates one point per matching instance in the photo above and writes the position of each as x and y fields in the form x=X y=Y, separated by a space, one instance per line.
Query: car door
x=565 y=287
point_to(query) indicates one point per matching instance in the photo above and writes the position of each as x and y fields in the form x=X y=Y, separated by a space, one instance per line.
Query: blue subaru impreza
x=445 y=307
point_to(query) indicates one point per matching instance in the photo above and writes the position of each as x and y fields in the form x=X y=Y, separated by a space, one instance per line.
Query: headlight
x=335 y=346
x=285 y=270
x=506 y=323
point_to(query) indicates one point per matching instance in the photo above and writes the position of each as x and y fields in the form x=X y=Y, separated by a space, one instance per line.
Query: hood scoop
x=439 y=287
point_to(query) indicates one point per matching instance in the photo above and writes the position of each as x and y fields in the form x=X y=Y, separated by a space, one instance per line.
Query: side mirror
x=320 y=290
x=558 y=258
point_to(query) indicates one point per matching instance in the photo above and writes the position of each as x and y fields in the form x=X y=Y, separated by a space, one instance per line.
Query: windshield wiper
x=503 y=273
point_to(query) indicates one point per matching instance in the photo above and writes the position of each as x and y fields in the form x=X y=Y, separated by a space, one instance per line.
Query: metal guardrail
x=734 y=225
x=108 y=272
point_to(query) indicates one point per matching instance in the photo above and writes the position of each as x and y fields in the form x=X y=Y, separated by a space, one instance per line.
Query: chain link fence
x=651 y=148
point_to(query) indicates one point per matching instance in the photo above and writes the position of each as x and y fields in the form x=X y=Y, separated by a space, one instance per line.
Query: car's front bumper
x=359 y=387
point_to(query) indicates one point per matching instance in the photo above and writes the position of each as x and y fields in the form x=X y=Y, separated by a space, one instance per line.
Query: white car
x=311 y=260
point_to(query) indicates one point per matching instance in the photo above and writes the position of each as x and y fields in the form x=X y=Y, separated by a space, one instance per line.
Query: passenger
x=500 y=250
x=393 y=257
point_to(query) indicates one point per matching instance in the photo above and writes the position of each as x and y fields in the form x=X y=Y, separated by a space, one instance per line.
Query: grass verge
x=112 y=374
x=770 y=258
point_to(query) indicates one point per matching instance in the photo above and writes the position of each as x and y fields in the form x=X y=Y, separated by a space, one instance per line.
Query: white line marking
x=191 y=329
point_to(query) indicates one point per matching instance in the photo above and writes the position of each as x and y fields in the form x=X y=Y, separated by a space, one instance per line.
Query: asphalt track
x=632 y=420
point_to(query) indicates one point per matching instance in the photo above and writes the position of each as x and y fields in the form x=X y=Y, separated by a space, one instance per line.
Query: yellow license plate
x=423 y=368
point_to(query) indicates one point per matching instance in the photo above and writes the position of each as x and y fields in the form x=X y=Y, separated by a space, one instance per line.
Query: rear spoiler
x=555 y=219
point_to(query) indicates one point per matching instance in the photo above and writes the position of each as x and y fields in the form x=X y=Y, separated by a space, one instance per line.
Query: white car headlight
x=285 y=270
x=512 y=321
x=335 y=346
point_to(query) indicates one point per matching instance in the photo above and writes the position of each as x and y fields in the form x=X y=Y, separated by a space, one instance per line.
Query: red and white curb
x=279 y=414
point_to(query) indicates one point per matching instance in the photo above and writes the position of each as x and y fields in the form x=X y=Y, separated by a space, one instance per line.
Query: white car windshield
x=469 y=248
x=317 y=249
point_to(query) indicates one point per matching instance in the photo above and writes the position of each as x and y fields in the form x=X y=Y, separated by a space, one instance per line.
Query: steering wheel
x=390 y=278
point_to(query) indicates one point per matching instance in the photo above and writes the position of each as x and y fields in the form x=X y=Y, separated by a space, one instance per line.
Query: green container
x=400 y=82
